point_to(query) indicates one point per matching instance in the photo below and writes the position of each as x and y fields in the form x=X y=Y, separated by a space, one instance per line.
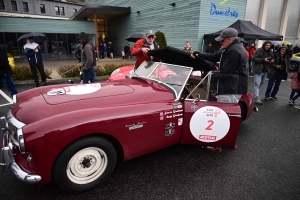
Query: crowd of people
x=267 y=62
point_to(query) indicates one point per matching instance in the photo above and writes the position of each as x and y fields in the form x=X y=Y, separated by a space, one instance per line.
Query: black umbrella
x=134 y=37
x=31 y=34
x=176 y=56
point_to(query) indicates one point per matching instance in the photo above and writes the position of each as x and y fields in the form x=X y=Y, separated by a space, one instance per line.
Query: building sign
x=226 y=13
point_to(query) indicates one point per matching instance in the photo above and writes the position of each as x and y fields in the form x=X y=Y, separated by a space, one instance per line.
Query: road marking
x=7 y=98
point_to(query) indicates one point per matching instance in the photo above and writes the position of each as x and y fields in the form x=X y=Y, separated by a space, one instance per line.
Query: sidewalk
x=53 y=65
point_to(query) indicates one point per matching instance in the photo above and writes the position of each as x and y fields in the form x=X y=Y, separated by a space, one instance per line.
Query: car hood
x=85 y=91
x=48 y=101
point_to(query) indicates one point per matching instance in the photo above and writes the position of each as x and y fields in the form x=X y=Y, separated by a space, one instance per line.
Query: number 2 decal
x=210 y=125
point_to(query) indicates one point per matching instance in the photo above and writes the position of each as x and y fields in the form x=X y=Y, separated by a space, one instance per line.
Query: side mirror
x=197 y=99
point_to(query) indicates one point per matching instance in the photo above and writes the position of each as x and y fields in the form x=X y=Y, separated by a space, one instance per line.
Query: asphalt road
x=266 y=165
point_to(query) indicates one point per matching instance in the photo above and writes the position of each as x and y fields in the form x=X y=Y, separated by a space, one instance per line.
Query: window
x=25 y=7
x=2 y=7
x=62 y=11
x=57 y=10
x=14 y=6
x=42 y=6
x=74 y=10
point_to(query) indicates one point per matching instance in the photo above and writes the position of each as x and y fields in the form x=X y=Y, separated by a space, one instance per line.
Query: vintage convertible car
x=75 y=134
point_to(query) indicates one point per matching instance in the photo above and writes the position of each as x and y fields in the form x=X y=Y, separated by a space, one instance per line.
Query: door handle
x=239 y=116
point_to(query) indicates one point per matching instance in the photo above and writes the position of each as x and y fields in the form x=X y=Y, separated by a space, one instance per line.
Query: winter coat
x=141 y=56
x=32 y=56
x=233 y=60
x=272 y=68
x=295 y=85
x=110 y=48
x=88 y=57
x=126 y=49
x=259 y=58
x=5 y=69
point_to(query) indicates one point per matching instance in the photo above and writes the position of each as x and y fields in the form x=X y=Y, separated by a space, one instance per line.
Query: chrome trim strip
x=239 y=116
x=13 y=120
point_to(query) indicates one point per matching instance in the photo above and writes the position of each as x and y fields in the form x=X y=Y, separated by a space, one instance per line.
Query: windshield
x=173 y=76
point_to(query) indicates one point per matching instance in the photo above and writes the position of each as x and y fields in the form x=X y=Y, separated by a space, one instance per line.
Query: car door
x=208 y=122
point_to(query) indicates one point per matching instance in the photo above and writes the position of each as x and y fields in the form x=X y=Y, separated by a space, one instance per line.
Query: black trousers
x=38 y=66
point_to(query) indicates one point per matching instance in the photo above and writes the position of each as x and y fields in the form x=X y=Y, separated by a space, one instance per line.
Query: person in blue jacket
x=35 y=59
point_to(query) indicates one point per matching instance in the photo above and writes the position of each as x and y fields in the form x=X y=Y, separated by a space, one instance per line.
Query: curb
x=59 y=80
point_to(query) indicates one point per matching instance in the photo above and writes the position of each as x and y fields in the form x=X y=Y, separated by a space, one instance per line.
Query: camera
x=269 y=58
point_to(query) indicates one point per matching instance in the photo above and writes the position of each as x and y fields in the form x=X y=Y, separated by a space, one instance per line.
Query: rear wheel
x=84 y=164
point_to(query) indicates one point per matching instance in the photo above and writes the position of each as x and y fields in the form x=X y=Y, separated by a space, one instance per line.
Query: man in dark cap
x=88 y=59
x=142 y=46
x=233 y=60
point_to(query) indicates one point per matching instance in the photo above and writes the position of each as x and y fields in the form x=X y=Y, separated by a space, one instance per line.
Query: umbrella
x=135 y=37
x=31 y=34
x=176 y=56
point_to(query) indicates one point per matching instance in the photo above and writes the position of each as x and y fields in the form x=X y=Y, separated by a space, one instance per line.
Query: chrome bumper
x=7 y=161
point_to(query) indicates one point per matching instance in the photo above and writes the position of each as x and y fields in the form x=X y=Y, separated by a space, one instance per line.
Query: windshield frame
x=175 y=92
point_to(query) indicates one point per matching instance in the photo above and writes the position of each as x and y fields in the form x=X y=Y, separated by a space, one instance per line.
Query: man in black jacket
x=5 y=72
x=233 y=60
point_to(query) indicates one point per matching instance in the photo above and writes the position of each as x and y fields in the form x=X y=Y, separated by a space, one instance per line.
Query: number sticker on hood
x=76 y=89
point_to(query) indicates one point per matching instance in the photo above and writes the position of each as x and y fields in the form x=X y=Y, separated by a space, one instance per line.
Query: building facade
x=48 y=17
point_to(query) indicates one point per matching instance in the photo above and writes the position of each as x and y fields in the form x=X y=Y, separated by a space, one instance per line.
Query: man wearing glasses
x=141 y=48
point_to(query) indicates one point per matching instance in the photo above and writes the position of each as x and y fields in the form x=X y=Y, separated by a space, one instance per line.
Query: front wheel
x=84 y=164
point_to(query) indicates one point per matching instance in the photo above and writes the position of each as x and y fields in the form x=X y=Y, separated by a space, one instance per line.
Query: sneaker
x=266 y=98
x=37 y=85
x=43 y=83
x=273 y=98
x=291 y=102
x=259 y=102
x=297 y=107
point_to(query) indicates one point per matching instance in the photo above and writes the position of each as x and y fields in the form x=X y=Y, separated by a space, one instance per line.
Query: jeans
x=10 y=86
x=293 y=93
x=276 y=78
x=258 y=82
x=89 y=75
x=40 y=67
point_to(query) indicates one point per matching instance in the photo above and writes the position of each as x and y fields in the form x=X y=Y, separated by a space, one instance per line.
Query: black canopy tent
x=247 y=30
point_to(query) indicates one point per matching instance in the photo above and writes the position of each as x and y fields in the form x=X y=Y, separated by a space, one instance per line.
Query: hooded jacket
x=259 y=58
x=286 y=59
x=88 y=58
x=31 y=55
x=5 y=69
x=233 y=60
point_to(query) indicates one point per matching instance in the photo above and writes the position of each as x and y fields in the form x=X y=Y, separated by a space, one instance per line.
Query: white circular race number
x=209 y=124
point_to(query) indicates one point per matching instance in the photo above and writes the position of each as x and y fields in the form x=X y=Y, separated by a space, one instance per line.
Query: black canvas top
x=248 y=30
x=176 y=56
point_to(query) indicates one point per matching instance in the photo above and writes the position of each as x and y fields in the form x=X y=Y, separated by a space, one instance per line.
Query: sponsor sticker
x=180 y=121
x=135 y=126
x=209 y=124
x=194 y=107
x=177 y=105
x=170 y=132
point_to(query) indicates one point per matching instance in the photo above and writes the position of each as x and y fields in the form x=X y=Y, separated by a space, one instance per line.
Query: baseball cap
x=150 y=32
x=227 y=33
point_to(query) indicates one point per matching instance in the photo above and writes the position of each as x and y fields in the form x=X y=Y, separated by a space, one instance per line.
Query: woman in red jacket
x=141 y=48
x=251 y=53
